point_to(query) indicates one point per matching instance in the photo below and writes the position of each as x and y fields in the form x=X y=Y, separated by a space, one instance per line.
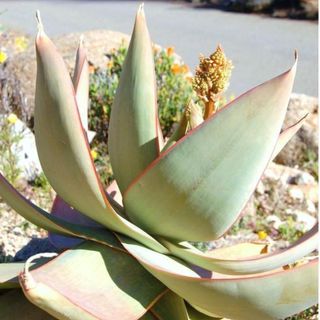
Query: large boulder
x=98 y=43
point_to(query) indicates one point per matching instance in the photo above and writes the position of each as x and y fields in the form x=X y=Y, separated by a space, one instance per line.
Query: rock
x=310 y=192
x=306 y=219
x=296 y=194
x=286 y=191
x=287 y=175
x=305 y=143
x=311 y=206
x=35 y=246
x=97 y=43
x=274 y=220
x=302 y=178
x=25 y=149
x=260 y=188
x=12 y=98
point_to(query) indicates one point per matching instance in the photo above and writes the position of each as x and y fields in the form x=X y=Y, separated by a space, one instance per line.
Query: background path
x=260 y=47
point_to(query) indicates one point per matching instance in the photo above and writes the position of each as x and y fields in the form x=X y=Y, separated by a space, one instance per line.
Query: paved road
x=260 y=47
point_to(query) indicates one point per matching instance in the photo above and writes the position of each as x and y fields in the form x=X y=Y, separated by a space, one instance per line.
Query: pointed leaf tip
x=141 y=8
x=39 y=23
x=81 y=40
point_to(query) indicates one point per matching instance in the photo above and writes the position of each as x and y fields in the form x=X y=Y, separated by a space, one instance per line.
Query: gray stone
x=306 y=219
x=305 y=143
x=274 y=220
x=302 y=178
x=25 y=150
x=97 y=43
x=296 y=194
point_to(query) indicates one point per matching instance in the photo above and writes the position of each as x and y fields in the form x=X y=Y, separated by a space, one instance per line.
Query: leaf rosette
x=127 y=255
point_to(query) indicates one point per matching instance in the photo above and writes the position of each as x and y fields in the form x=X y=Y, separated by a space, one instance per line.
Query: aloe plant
x=127 y=255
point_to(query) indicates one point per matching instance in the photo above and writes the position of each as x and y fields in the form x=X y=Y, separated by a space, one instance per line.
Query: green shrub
x=173 y=86
x=9 y=145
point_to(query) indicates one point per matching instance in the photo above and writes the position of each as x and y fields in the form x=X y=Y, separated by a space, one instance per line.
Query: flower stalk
x=211 y=79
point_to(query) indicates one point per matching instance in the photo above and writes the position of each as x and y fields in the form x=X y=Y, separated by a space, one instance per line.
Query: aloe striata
x=127 y=255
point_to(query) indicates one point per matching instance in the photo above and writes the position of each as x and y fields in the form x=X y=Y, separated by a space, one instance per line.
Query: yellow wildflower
x=21 y=43
x=184 y=68
x=91 y=69
x=176 y=68
x=12 y=118
x=109 y=64
x=94 y=154
x=262 y=235
x=170 y=51
x=3 y=57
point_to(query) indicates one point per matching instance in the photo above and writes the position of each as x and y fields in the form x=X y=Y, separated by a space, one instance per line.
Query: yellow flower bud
x=212 y=75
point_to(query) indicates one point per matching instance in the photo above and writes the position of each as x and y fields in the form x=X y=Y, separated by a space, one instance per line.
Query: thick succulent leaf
x=149 y=316
x=191 y=118
x=96 y=281
x=170 y=307
x=197 y=315
x=65 y=212
x=62 y=210
x=272 y=295
x=9 y=275
x=113 y=191
x=229 y=260
x=198 y=187
x=133 y=129
x=47 y=221
x=81 y=84
x=63 y=147
x=15 y=306
x=286 y=135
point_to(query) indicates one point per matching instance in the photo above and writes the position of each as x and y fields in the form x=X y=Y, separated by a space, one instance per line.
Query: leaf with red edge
x=15 y=306
x=50 y=222
x=62 y=210
x=134 y=127
x=198 y=187
x=9 y=275
x=65 y=212
x=223 y=262
x=92 y=281
x=63 y=147
x=271 y=295
x=287 y=134
x=81 y=84
x=170 y=307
